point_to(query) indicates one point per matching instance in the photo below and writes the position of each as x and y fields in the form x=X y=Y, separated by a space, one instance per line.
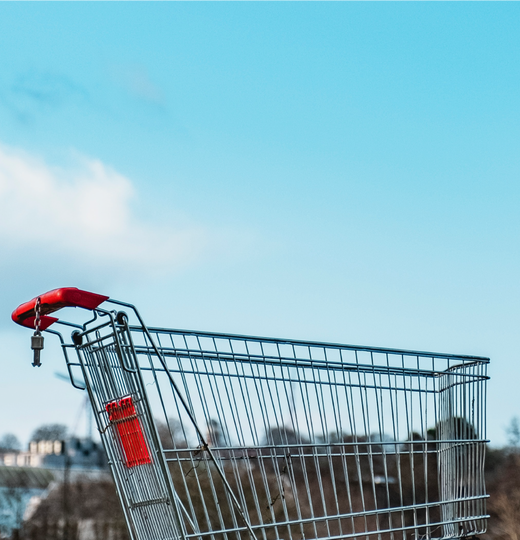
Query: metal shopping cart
x=220 y=436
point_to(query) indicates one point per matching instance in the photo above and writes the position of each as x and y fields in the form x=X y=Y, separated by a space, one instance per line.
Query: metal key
x=37 y=346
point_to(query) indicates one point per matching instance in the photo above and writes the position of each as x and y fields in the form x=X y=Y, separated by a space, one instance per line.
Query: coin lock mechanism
x=37 y=338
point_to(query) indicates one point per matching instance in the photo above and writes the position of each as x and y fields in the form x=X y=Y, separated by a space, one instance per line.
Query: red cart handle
x=52 y=301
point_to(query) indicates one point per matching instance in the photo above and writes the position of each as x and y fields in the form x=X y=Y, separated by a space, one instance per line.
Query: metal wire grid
x=145 y=490
x=311 y=440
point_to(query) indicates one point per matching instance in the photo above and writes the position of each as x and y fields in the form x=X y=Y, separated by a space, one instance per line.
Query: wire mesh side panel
x=128 y=434
x=316 y=440
x=461 y=451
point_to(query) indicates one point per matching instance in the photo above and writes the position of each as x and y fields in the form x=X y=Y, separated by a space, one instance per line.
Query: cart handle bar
x=52 y=301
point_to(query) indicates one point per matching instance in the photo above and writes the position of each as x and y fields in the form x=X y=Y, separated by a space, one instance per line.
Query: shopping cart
x=220 y=436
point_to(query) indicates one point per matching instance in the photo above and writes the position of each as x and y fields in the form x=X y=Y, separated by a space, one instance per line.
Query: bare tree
x=513 y=433
x=9 y=442
x=93 y=504
x=503 y=484
x=13 y=499
x=217 y=433
x=49 y=432
x=171 y=434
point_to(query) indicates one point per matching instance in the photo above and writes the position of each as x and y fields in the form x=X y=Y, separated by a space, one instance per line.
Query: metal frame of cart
x=221 y=436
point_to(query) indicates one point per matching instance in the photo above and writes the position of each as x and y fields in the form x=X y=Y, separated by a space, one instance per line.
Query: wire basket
x=223 y=436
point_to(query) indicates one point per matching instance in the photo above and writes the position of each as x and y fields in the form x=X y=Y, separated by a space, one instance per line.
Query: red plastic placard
x=52 y=301
x=129 y=431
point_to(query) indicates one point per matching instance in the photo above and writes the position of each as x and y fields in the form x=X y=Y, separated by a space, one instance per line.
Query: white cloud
x=84 y=214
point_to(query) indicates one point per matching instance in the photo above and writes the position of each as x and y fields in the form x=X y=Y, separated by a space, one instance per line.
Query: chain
x=37 y=339
x=37 y=309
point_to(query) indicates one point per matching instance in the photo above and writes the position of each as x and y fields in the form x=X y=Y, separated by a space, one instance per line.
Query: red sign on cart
x=122 y=413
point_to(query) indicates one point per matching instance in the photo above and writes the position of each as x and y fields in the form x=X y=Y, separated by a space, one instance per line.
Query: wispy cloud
x=83 y=214
x=33 y=92
x=46 y=88
x=136 y=80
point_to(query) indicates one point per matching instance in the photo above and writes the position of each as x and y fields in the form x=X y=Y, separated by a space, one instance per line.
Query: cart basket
x=214 y=436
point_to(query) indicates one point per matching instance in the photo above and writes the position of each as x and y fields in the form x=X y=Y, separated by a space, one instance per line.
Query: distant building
x=26 y=478
x=74 y=453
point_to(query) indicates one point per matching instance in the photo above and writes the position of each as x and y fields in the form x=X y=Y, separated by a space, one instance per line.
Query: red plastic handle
x=52 y=301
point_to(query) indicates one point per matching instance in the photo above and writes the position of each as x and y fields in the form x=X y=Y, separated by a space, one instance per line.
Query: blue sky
x=332 y=171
